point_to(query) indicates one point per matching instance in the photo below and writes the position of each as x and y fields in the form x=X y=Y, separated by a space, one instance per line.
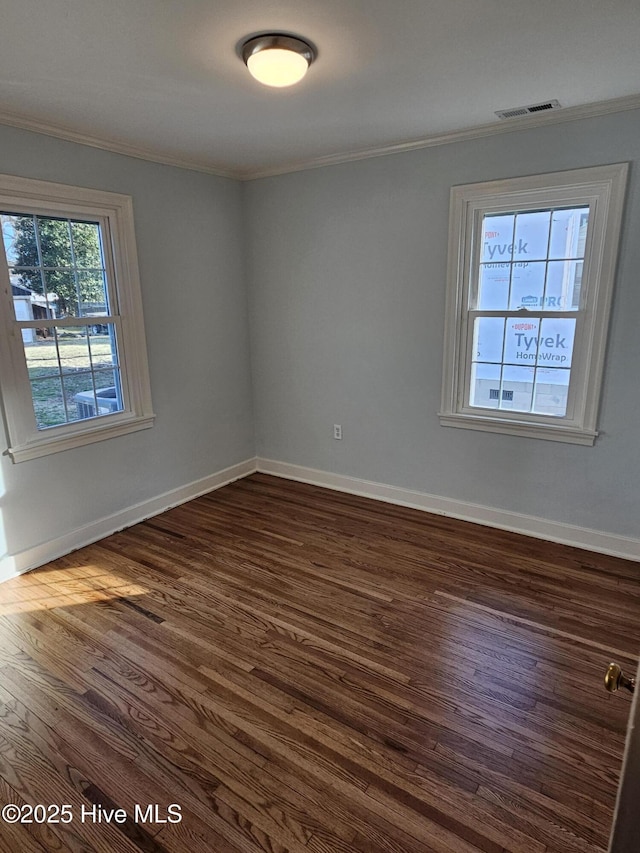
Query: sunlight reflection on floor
x=45 y=589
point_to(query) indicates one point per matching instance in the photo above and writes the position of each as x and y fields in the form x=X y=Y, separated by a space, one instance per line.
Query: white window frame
x=114 y=213
x=601 y=188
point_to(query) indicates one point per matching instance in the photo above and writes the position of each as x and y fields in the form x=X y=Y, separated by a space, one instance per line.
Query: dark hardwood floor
x=302 y=670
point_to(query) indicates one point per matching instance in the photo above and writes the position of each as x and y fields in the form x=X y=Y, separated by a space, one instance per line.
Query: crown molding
x=116 y=146
x=599 y=108
x=69 y=134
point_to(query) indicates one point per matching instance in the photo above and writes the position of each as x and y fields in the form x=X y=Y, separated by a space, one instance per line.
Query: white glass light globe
x=277 y=67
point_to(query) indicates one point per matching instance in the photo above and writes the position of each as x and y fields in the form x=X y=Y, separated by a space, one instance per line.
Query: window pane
x=48 y=402
x=531 y=237
x=55 y=241
x=488 y=335
x=61 y=292
x=73 y=349
x=497 y=238
x=93 y=395
x=568 y=232
x=521 y=344
x=80 y=396
x=527 y=285
x=104 y=351
x=18 y=233
x=108 y=388
x=28 y=303
x=86 y=245
x=551 y=391
x=485 y=385
x=518 y=383
x=42 y=357
x=564 y=282
x=22 y=308
x=493 y=292
x=92 y=288
x=556 y=342
x=27 y=277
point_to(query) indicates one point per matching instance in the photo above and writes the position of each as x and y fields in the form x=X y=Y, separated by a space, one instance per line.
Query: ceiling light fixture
x=276 y=59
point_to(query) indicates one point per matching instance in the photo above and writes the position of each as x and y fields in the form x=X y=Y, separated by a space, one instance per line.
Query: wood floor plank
x=32 y=765
x=306 y=670
x=34 y=837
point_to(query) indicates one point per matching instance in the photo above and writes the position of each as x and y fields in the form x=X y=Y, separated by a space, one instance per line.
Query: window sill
x=547 y=432
x=43 y=446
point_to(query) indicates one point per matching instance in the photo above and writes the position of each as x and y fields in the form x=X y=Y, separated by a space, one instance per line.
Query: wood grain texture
x=303 y=670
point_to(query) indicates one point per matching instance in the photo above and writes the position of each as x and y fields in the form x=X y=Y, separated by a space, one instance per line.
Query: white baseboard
x=529 y=525
x=16 y=564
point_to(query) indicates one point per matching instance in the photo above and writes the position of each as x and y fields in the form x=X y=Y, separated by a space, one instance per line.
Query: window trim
x=114 y=212
x=602 y=188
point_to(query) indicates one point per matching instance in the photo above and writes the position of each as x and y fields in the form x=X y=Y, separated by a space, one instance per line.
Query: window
x=531 y=269
x=73 y=366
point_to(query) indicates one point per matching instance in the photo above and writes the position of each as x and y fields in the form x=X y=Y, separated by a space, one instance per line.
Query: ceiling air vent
x=528 y=110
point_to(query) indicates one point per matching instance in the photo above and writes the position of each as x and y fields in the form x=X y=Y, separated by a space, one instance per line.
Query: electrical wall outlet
x=337 y=431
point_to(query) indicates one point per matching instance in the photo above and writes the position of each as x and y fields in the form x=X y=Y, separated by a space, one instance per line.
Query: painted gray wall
x=191 y=254
x=347 y=276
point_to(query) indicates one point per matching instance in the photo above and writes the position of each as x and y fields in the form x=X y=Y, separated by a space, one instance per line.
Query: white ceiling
x=164 y=76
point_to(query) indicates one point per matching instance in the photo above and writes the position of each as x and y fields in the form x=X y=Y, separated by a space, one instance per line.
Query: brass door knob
x=614 y=679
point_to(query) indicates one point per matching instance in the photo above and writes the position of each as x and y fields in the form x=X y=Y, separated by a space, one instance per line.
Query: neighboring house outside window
x=73 y=364
x=531 y=272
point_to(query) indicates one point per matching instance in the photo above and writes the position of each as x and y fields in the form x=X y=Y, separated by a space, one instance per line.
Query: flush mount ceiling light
x=276 y=59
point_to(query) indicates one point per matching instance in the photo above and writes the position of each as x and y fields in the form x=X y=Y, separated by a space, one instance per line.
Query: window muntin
x=73 y=367
x=531 y=267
